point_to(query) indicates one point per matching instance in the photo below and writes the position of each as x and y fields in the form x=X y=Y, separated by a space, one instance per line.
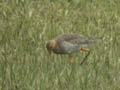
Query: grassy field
x=26 y=26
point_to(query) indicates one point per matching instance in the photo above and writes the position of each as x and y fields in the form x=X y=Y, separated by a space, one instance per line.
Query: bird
x=70 y=44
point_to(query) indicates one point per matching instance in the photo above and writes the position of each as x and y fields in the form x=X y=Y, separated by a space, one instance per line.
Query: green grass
x=26 y=26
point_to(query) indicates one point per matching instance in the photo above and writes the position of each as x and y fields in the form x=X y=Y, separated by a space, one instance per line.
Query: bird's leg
x=71 y=58
x=85 y=57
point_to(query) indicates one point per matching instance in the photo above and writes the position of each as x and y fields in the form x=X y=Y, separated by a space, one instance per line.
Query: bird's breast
x=59 y=50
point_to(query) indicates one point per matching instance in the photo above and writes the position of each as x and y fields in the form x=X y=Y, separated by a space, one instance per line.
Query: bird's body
x=69 y=43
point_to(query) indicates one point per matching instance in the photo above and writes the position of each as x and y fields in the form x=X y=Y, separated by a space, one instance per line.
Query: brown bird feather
x=69 y=43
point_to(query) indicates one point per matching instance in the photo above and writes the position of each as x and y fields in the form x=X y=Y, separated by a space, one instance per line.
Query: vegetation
x=26 y=26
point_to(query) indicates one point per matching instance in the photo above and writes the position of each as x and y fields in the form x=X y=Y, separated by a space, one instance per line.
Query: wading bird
x=69 y=44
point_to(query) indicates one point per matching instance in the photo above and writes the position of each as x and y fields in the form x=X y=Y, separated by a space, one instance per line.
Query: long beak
x=49 y=51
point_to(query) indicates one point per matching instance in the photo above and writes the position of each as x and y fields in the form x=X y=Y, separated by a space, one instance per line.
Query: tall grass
x=26 y=26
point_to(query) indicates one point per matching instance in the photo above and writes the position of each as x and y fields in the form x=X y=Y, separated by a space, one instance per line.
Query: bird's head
x=51 y=45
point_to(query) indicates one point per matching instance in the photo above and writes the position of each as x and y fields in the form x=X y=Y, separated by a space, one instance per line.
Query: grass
x=26 y=26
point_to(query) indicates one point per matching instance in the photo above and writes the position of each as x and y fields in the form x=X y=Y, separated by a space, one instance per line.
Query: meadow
x=26 y=26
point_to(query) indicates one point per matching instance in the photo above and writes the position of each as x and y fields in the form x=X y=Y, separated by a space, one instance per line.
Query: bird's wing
x=71 y=43
x=73 y=39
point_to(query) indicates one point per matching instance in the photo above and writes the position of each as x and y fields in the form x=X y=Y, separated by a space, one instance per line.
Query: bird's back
x=72 y=42
x=75 y=39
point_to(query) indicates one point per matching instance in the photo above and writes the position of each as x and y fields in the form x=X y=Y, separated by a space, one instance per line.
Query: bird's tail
x=93 y=41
